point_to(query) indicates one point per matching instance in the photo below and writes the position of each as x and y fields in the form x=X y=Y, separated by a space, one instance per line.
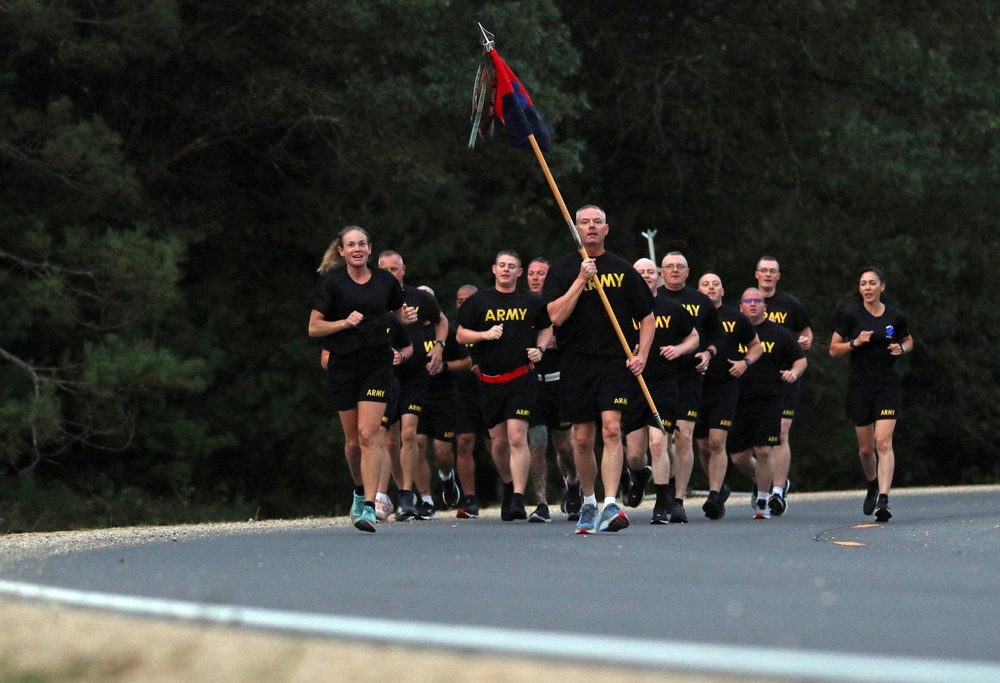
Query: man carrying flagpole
x=598 y=377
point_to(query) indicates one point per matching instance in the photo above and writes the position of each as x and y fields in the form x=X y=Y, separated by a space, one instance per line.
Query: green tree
x=831 y=134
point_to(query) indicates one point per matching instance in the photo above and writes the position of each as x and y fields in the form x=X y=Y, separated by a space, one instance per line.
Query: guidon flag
x=499 y=94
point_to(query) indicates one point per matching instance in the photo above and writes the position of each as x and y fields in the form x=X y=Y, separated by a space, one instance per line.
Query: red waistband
x=508 y=376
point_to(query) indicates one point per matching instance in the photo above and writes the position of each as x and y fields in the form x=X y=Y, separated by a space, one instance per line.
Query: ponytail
x=332 y=258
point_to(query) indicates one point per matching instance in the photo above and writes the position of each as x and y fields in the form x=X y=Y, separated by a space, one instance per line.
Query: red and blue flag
x=511 y=104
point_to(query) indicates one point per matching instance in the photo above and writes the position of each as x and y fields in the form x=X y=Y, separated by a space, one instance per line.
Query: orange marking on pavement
x=864 y=526
x=848 y=543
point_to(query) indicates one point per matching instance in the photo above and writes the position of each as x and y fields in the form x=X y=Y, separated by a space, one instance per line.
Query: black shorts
x=870 y=401
x=546 y=413
x=591 y=385
x=664 y=394
x=469 y=411
x=790 y=401
x=513 y=400
x=413 y=392
x=365 y=375
x=689 y=394
x=391 y=414
x=437 y=419
x=757 y=423
x=718 y=407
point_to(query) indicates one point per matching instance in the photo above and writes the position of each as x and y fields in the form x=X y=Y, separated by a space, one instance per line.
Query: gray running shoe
x=761 y=511
x=613 y=518
x=541 y=514
x=678 y=515
x=588 y=519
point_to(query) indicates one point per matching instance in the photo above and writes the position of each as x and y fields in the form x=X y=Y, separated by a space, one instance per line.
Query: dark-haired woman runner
x=874 y=334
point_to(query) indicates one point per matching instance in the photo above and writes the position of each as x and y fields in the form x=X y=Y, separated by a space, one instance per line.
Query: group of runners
x=591 y=347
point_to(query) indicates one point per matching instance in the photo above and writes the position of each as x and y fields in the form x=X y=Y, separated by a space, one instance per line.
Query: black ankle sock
x=662 y=495
x=360 y=490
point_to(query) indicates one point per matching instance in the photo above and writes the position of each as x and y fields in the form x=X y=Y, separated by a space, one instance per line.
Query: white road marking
x=722 y=659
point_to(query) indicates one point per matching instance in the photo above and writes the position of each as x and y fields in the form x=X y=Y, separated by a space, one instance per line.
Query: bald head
x=648 y=271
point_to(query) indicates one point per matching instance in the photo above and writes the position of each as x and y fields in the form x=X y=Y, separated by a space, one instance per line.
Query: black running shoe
x=714 y=508
x=777 y=505
x=724 y=492
x=636 y=492
x=469 y=508
x=426 y=510
x=540 y=515
x=516 y=510
x=882 y=512
x=451 y=494
x=574 y=502
x=660 y=516
x=624 y=483
x=406 y=506
x=508 y=496
x=677 y=513
x=871 y=498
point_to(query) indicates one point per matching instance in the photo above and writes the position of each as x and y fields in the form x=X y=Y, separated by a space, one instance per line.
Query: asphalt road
x=821 y=578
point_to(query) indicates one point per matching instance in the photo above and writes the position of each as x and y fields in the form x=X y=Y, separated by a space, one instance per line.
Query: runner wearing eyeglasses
x=756 y=428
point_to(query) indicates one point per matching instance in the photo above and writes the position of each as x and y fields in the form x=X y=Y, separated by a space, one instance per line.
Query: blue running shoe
x=613 y=518
x=357 y=507
x=588 y=519
x=366 y=520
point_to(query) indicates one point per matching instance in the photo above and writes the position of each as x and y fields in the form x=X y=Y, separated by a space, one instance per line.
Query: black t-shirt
x=705 y=318
x=763 y=378
x=787 y=311
x=398 y=336
x=337 y=296
x=872 y=360
x=550 y=359
x=733 y=345
x=672 y=326
x=522 y=314
x=428 y=314
x=588 y=330
x=443 y=382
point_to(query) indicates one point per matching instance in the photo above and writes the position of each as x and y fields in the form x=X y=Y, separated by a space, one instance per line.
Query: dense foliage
x=171 y=172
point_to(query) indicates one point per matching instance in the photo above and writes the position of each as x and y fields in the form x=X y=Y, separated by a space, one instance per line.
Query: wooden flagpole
x=595 y=279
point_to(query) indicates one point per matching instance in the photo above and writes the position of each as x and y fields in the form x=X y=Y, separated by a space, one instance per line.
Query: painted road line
x=766 y=663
